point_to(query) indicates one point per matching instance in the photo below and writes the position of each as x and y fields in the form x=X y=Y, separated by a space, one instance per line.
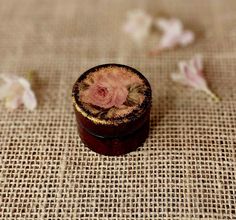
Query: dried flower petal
x=191 y=75
x=4 y=91
x=138 y=25
x=29 y=100
x=17 y=91
x=13 y=102
x=173 y=34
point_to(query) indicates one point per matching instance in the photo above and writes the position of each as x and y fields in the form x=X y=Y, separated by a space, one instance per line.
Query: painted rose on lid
x=111 y=92
x=108 y=90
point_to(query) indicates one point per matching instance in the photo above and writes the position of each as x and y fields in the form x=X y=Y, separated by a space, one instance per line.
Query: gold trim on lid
x=97 y=120
x=102 y=121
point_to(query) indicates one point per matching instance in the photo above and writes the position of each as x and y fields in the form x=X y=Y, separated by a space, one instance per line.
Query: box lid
x=111 y=100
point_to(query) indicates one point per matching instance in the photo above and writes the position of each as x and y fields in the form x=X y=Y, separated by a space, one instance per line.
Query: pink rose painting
x=112 y=92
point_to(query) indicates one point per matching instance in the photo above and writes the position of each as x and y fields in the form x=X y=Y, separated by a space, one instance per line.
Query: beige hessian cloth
x=187 y=167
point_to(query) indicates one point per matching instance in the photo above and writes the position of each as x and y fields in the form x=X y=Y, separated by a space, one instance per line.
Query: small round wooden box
x=112 y=106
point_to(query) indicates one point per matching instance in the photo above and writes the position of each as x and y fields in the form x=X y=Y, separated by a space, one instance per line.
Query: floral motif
x=105 y=95
x=191 y=74
x=173 y=34
x=112 y=92
x=138 y=25
x=17 y=91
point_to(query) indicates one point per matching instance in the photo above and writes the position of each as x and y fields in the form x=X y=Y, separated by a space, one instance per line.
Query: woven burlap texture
x=187 y=167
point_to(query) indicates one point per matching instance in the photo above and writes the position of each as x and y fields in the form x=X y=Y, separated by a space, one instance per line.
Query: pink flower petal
x=179 y=79
x=13 y=102
x=24 y=83
x=186 y=38
x=173 y=35
x=191 y=75
x=138 y=25
x=197 y=62
x=16 y=90
x=29 y=100
x=8 y=78
x=4 y=90
x=162 y=24
x=173 y=25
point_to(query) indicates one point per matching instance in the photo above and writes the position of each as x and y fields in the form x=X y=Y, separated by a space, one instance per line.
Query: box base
x=115 y=146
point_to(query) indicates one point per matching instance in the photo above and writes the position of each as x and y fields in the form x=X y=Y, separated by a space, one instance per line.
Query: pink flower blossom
x=17 y=91
x=191 y=74
x=138 y=25
x=108 y=90
x=173 y=34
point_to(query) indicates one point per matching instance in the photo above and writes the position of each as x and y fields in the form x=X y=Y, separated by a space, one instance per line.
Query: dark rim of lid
x=137 y=113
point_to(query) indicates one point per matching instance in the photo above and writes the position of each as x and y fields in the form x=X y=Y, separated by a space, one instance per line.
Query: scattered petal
x=24 y=83
x=173 y=35
x=17 y=91
x=29 y=99
x=186 y=38
x=4 y=89
x=138 y=25
x=191 y=75
x=13 y=102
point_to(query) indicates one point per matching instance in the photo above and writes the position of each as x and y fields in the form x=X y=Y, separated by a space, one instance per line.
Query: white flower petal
x=183 y=66
x=179 y=78
x=173 y=34
x=29 y=99
x=4 y=90
x=173 y=25
x=138 y=25
x=17 y=90
x=197 y=62
x=8 y=78
x=168 y=41
x=13 y=102
x=191 y=74
x=162 y=24
x=24 y=83
x=186 y=38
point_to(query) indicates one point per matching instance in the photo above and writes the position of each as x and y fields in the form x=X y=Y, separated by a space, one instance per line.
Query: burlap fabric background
x=187 y=167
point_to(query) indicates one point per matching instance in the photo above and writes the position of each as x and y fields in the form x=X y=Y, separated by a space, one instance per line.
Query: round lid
x=112 y=94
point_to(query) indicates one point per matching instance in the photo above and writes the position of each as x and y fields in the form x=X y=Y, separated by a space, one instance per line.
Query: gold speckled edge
x=96 y=120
